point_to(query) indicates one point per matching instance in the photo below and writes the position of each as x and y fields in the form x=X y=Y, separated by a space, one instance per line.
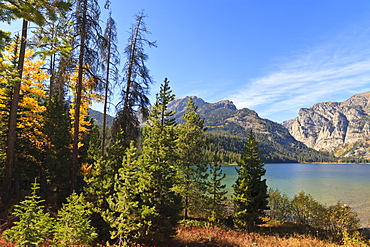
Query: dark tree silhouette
x=137 y=81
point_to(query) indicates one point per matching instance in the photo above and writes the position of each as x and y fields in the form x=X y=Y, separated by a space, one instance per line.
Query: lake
x=327 y=183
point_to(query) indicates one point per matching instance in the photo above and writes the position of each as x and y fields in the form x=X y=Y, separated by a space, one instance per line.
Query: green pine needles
x=73 y=225
x=192 y=172
x=33 y=226
x=127 y=214
x=216 y=191
x=158 y=164
x=250 y=190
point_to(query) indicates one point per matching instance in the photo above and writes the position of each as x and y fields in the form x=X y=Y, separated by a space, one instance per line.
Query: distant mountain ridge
x=318 y=132
x=340 y=127
x=223 y=118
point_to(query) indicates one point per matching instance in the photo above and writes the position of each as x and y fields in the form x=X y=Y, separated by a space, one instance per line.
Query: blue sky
x=271 y=56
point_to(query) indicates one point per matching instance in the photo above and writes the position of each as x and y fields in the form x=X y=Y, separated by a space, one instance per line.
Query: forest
x=66 y=181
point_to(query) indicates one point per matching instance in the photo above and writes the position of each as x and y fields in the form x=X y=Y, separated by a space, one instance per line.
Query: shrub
x=341 y=222
x=279 y=205
x=306 y=210
x=338 y=221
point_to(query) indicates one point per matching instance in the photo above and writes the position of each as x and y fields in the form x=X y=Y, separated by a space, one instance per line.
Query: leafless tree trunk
x=79 y=85
x=12 y=134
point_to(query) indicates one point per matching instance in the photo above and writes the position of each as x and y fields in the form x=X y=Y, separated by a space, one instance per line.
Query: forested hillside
x=228 y=128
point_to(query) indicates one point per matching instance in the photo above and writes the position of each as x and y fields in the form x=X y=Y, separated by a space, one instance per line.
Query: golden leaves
x=88 y=96
x=32 y=98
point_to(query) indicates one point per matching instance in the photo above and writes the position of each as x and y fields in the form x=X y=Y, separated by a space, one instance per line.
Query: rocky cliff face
x=331 y=126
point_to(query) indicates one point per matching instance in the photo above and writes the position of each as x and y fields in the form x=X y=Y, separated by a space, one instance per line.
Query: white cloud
x=324 y=74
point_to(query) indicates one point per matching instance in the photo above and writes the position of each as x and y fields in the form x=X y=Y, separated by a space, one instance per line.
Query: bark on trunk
x=79 y=85
x=106 y=98
x=12 y=134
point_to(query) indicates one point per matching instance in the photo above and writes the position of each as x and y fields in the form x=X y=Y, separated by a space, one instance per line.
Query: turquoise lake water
x=327 y=183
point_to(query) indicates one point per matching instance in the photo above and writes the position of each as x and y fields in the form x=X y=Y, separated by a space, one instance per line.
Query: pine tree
x=73 y=226
x=94 y=148
x=158 y=165
x=55 y=175
x=33 y=226
x=126 y=214
x=250 y=190
x=137 y=80
x=37 y=11
x=100 y=178
x=192 y=165
x=216 y=190
x=53 y=42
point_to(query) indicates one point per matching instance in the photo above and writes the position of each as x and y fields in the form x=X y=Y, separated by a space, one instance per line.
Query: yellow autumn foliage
x=33 y=93
x=88 y=96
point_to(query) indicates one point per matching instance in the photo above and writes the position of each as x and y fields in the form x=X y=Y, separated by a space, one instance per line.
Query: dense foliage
x=128 y=185
x=335 y=222
x=231 y=146
x=250 y=190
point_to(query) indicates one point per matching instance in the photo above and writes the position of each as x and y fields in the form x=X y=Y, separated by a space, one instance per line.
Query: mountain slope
x=343 y=127
x=98 y=118
x=226 y=124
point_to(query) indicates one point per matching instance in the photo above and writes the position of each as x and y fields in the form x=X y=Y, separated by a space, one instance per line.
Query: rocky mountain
x=98 y=118
x=223 y=118
x=343 y=127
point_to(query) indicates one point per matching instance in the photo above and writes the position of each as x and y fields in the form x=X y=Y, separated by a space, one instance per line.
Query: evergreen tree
x=216 y=190
x=37 y=11
x=158 y=165
x=55 y=174
x=137 y=80
x=53 y=42
x=250 y=190
x=100 y=177
x=126 y=214
x=94 y=148
x=33 y=226
x=100 y=181
x=192 y=164
x=73 y=226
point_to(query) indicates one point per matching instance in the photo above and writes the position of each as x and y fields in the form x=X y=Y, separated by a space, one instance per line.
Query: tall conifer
x=55 y=174
x=192 y=164
x=126 y=212
x=250 y=190
x=158 y=164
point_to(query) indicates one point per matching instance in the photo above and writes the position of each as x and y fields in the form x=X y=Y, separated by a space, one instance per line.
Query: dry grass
x=215 y=236
x=269 y=235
